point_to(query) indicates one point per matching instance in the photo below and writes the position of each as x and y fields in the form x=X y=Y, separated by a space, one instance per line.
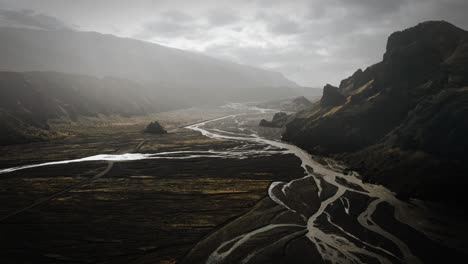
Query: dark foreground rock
x=401 y=122
x=331 y=96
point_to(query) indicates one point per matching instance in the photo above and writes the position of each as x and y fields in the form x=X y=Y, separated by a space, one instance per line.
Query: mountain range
x=65 y=74
x=168 y=71
x=28 y=100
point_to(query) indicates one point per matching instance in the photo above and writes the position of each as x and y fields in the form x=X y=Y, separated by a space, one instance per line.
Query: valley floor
x=221 y=191
x=140 y=211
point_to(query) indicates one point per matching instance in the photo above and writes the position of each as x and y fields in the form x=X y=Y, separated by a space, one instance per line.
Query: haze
x=219 y=132
x=310 y=42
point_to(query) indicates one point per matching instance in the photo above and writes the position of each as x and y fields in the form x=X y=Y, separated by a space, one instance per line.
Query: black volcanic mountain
x=173 y=72
x=402 y=122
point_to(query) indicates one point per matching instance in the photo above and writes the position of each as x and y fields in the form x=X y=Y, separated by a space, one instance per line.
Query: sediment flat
x=140 y=211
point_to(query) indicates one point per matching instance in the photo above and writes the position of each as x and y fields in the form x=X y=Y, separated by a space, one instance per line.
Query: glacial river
x=334 y=247
x=342 y=246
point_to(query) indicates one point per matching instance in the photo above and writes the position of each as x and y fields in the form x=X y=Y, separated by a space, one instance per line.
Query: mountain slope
x=28 y=100
x=401 y=122
x=168 y=70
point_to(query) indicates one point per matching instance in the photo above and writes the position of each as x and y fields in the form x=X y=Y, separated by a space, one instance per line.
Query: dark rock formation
x=278 y=116
x=301 y=103
x=401 y=122
x=155 y=128
x=265 y=123
x=331 y=96
x=295 y=104
x=279 y=120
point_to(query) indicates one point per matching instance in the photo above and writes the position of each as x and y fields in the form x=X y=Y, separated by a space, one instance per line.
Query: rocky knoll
x=278 y=120
x=331 y=96
x=295 y=104
x=155 y=128
x=300 y=103
x=403 y=121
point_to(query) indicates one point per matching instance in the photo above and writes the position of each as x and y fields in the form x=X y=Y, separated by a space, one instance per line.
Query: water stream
x=334 y=247
x=343 y=247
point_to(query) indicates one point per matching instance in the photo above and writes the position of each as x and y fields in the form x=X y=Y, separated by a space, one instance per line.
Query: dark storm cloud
x=377 y=7
x=354 y=9
x=222 y=16
x=312 y=42
x=279 y=24
x=285 y=26
x=165 y=28
x=29 y=18
x=174 y=23
x=454 y=11
x=176 y=16
x=169 y=23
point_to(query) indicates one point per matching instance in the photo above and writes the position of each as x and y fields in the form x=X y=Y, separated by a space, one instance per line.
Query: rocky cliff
x=403 y=121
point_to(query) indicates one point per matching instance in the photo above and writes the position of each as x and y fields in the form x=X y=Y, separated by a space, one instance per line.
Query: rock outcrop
x=295 y=104
x=301 y=103
x=155 y=128
x=401 y=122
x=279 y=120
x=331 y=96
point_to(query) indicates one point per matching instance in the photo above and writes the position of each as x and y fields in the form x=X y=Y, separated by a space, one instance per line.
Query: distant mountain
x=402 y=122
x=294 y=104
x=180 y=75
x=28 y=100
x=309 y=92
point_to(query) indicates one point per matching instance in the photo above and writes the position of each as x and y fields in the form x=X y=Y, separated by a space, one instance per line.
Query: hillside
x=403 y=121
x=28 y=100
x=201 y=79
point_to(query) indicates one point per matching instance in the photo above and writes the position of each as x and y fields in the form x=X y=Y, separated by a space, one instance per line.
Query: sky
x=312 y=42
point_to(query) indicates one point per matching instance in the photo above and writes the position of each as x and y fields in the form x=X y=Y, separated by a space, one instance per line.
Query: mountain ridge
x=166 y=69
x=401 y=122
x=28 y=100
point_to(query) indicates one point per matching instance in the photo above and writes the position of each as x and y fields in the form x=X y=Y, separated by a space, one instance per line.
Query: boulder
x=155 y=128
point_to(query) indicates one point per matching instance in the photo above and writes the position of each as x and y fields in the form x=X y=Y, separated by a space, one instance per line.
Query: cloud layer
x=312 y=42
x=30 y=19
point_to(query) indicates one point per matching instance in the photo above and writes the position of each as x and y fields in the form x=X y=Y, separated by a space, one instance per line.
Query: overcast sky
x=311 y=42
